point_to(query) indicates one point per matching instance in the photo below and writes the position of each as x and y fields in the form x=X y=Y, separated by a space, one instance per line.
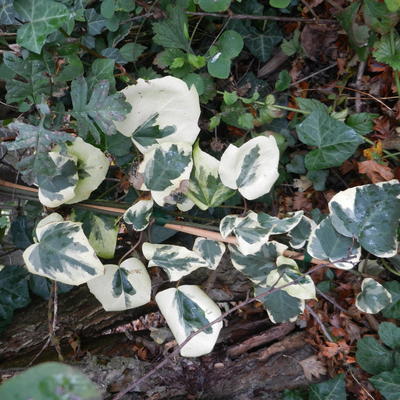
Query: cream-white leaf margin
x=176 y=261
x=139 y=214
x=170 y=98
x=203 y=343
x=136 y=274
x=63 y=252
x=373 y=297
x=251 y=168
x=285 y=274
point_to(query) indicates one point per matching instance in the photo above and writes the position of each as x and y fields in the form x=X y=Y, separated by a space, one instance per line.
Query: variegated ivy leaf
x=183 y=203
x=205 y=187
x=186 y=309
x=257 y=266
x=63 y=253
x=277 y=225
x=57 y=177
x=300 y=234
x=285 y=274
x=122 y=287
x=177 y=261
x=249 y=233
x=251 y=168
x=164 y=169
x=170 y=103
x=325 y=243
x=280 y=306
x=139 y=214
x=373 y=297
x=101 y=230
x=92 y=168
x=371 y=214
x=211 y=250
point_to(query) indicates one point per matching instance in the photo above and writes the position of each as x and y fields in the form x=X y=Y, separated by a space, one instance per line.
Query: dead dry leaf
x=375 y=172
x=312 y=367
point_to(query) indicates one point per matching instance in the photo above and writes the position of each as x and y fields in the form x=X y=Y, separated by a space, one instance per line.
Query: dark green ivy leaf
x=388 y=383
x=334 y=389
x=7 y=12
x=101 y=110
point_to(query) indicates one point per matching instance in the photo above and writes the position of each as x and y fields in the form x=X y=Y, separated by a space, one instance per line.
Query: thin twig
x=311 y=10
x=263 y=17
x=360 y=73
x=130 y=251
x=313 y=74
x=203 y=328
x=320 y=323
x=332 y=301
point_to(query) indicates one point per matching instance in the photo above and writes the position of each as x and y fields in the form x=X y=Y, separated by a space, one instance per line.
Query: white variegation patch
x=249 y=233
x=176 y=261
x=63 y=253
x=211 y=250
x=61 y=186
x=325 y=243
x=286 y=273
x=373 y=297
x=53 y=217
x=205 y=188
x=122 y=287
x=170 y=101
x=200 y=310
x=300 y=234
x=139 y=214
x=279 y=226
x=251 y=168
x=92 y=168
x=371 y=214
x=164 y=169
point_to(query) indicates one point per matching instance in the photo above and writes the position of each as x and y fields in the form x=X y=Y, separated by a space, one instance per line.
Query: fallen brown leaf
x=375 y=172
x=312 y=367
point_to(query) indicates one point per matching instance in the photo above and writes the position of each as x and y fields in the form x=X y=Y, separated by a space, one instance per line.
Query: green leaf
x=100 y=70
x=362 y=123
x=230 y=97
x=378 y=17
x=292 y=46
x=300 y=234
x=279 y=3
x=139 y=214
x=35 y=82
x=358 y=34
x=171 y=31
x=165 y=164
x=283 y=81
x=393 y=309
x=42 y=286
x=311 y=105
x=132 y=51
x=100 y=229
x=122 y=287
x=196 y=80
x=7 y=12
x=373 y=297
x=279 y=226
x=325 y=243
x=42 y=18
x=211 y=250
x=392 y=5
x=388 y=383
x=40 y=140
x=373 y=357
x=251 y=168
x=389 y=333
x=49 y=381
x=205 y=187
x=95 y=22
x=101 y=110
x=14 y=292
x=177 y=261
x=21 y=232
x=63 y=253
x=335 y=142
x=107 y=8
x=280 y=306
x=387 y=50
x=214 y=5
x=333 y=389
x=258 y=265
x=354 y=213
x=230 y=44
x=219 y=66
x=186 y=309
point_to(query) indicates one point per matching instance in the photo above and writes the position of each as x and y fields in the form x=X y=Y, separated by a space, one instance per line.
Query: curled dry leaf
x=375 y=172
